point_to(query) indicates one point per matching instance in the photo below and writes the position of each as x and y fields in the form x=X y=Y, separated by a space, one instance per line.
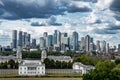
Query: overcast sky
x=98 y=18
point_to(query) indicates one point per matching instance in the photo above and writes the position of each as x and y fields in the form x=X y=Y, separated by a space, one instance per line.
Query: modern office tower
x=28 y=40
x=98 y=45
x=20 y=39
x=103 y=46
x=118 y=47
x=45 y=35
x=14 y=39
x=33 y=43
x=42 y=43
x=24 y=39
x=79 y=45
x=57 y=37
x=107 y=48
x=91 y=46
x=64 y=41
x=82 y=46
x=70 y=42
x=64 y=38
x=87 y=42
x=91 y=40
x=49 y=41
x=75 y=41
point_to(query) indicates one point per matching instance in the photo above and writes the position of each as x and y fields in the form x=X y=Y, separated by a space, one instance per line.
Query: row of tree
x=51 y=64
x=11 y=64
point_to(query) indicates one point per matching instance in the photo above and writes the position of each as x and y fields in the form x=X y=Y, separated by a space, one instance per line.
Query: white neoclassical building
x=81 y=68
x=31 y=68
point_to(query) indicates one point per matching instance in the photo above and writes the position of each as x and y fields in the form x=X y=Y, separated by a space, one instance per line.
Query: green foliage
x=117 y=61
x=31 y=55
x=87 y=60
x=7 y=53
x=51 y=64
x=11 y=64
x=104 y=70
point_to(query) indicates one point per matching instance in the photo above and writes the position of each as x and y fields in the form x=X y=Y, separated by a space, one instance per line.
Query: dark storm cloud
x=111 y=29
x=74 y=8
x=37 y=24
x=94 y=1
x=19 y=9
x=115 y=7
x=104 y=31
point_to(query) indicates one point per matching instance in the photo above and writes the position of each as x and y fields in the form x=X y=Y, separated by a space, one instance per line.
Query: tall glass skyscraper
x=75 y=41
x=87 y=42
x=14 y=39
x=33 y=43
x=50 y=41
x=57 y=37
x=103 y=46
x=20 y=39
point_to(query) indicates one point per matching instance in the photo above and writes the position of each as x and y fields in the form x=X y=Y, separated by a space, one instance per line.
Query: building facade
x=81 y=68
x=31 y=68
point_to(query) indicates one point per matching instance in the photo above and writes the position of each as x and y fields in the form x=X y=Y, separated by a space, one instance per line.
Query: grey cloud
x=77 y=9
x=94 y=1
x=113 y=27
x=37 y=24
x=110 y=29
x=19 y=9
x=49 y=22
x=115 y=7
x=104 y=31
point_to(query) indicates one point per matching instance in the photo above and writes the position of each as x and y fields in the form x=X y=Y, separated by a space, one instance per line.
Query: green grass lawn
x=40 y=78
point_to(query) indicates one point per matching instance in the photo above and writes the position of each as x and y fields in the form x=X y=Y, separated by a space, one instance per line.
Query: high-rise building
x=87 y=42
x=42 y=43
x=14 y=39
x=57 y=37
x=75 y=41
x=91 y=40
x=20 y=39
x=107 y=48
x=118 y=47
x=45 y=35
x=24 y=39
x=103 y=46
x=49 y=41
x=64 y=41
x=91 y=46
x=82 y=46
x=33 y=43
x=98 y=45
x=28 y=40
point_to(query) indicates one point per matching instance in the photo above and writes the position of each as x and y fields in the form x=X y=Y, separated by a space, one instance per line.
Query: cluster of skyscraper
x=22 y=39
x=60 y=42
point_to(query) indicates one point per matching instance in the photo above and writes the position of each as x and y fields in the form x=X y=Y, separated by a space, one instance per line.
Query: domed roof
x=44 y=51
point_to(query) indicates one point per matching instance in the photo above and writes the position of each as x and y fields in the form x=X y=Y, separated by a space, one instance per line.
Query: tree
x=102 y=71
x=11 y=63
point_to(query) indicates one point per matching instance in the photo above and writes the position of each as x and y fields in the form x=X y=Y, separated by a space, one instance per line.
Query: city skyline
x=87 y=17
x=59 y=41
